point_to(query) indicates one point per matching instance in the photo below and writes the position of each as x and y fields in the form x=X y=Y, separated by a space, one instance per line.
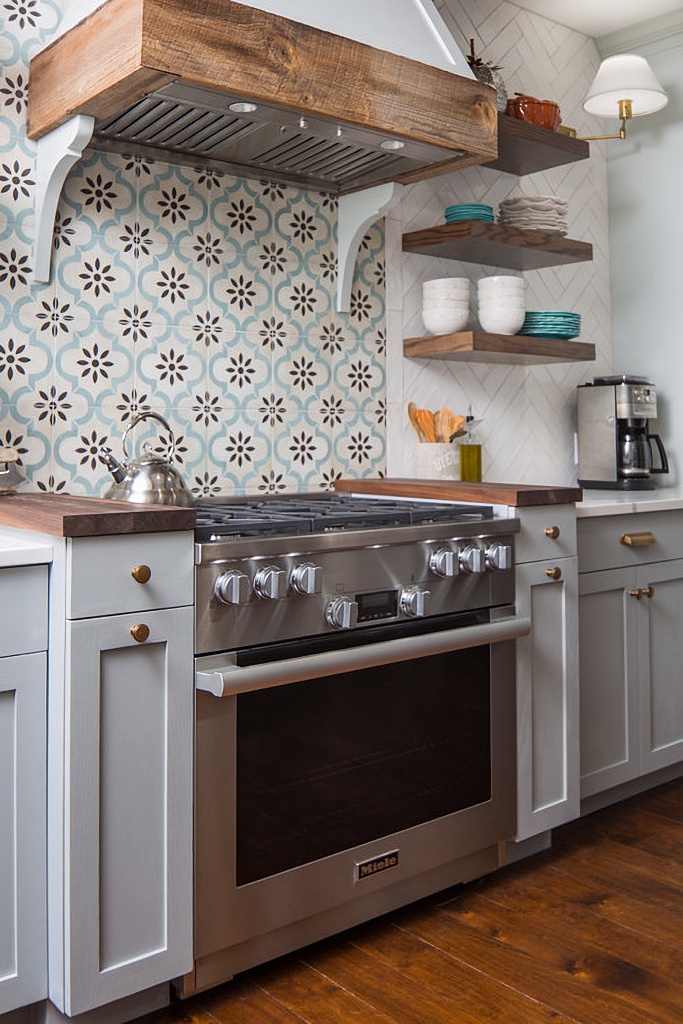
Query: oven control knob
x=413 y=602
x=270 y=583
x=232 y=588
x=473 y=560
x=499 y=556
x=342 y=613
x=307 y=579
x=444 y=563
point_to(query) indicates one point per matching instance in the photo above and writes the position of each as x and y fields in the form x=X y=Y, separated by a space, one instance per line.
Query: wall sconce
x=625 y=86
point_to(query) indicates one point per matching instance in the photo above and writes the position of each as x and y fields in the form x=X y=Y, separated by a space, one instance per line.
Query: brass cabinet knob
x=140 y=632
x=638 y=540
x=554 y=574
x=552 y=531
x=642 y=592
x=141 y=573
x=649 y=592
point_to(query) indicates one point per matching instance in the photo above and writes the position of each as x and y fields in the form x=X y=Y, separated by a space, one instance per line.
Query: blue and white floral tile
x=238 y=450
x=240 y=296
x=239 y=369
x=301 y=370
x=95 y=365
x=172 y=369
x=20 y=428
x=302 y=452
x=100 y=190
x=358 y=446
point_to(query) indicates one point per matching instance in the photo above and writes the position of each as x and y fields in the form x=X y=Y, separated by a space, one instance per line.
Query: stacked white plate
x=501 y=303
x=446 y=304
x=541 y=213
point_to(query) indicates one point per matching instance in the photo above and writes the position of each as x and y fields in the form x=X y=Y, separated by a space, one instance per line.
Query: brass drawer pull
x=638 y=540
x=642 y=592
x=554 y=574
x=140 y=632
x=141 y=573
x=552 y=531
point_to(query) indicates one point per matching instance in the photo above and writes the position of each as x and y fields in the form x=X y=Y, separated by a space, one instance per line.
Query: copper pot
x=545 y=113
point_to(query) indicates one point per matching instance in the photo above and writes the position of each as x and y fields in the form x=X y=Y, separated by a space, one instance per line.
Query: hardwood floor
x=590 y=932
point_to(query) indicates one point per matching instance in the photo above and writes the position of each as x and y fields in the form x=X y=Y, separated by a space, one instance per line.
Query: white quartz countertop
x=617 y=503
x=15 y=551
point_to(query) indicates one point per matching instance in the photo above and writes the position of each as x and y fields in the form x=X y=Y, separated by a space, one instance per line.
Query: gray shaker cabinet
x=23 y=641
x=547 y=670
x=121 y=740
x=631 y=635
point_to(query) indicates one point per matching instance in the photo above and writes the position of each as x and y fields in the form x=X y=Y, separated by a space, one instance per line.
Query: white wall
x=646 y=217
x=528 y=414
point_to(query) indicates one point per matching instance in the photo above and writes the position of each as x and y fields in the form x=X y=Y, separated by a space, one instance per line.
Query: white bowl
x=437 y=283
x=503 y=322
x=500 y=293
x=445 y=303
x=440 y=321
x=504 y=306
x=503 y=281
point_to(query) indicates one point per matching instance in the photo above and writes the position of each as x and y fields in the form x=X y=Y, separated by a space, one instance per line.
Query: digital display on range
x=383 y=604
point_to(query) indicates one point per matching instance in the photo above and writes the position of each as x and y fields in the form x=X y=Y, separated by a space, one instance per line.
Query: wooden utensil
x=425 y=420
x=442 y=421
x=412 y=416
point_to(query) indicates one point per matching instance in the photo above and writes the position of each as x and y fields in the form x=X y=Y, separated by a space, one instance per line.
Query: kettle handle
x=138 y=419
x=664 y=468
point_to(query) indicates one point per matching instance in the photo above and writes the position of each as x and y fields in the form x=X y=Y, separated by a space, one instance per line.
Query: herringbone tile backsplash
x=527 y=413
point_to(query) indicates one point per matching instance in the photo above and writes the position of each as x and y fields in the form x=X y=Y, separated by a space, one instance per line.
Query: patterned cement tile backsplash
x=211 y=300
x=206 y=298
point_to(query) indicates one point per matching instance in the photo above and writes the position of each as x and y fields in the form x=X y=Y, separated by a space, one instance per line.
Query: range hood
x=234 y=84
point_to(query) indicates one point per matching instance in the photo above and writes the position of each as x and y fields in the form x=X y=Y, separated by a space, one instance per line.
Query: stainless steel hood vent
x=191 y=122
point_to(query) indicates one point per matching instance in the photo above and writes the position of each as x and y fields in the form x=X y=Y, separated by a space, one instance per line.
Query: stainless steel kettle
x=150 y=478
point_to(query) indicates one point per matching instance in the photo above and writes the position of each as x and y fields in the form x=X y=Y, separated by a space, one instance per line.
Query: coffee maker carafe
x=615 y=443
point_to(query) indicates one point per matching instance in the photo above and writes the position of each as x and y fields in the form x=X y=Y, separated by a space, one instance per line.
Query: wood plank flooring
x=590 y=932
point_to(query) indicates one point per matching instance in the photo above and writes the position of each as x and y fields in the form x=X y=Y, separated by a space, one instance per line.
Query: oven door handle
x=215 y=674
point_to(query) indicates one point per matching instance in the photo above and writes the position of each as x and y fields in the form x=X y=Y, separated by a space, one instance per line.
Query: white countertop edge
x=615 y=503
x=15 y=551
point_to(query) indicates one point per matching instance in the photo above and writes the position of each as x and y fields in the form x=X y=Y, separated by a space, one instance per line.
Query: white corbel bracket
x=57 y=152
x=357 y=211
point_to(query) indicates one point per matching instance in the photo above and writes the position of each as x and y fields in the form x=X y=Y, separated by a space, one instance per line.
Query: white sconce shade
x=625 y=76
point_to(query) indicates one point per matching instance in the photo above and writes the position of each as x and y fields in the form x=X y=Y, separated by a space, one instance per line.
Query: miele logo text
x=371 y=867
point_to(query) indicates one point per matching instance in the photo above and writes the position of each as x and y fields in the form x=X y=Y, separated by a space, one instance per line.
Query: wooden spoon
x=412 y=416
x=442 y=420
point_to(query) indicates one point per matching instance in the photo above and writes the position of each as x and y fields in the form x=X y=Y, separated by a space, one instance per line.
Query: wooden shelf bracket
x=357 y=211
x=57 y=152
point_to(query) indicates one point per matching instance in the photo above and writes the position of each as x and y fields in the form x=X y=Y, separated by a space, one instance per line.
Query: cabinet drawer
x=23 y=600
x=547 y=532
x=101 y=573
x=601 y=545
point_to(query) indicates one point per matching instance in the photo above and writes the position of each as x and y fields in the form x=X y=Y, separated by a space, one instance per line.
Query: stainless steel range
x=355 y=714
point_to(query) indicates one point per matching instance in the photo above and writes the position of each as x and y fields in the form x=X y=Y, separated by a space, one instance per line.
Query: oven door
x=334 y=787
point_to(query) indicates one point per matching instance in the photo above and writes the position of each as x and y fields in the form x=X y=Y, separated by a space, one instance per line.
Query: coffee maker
x=615 y=443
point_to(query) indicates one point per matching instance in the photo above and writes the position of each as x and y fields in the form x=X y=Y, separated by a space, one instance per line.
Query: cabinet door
x=547 y=697
x=128 y=830
x=608 y=622
x=23 y=938
x=660 y=641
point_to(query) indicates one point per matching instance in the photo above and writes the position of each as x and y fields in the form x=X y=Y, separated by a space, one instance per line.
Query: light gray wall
x=646 y=218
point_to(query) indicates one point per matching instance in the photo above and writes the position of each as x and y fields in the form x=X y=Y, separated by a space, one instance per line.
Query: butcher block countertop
x=65 y=515
x=515 y=495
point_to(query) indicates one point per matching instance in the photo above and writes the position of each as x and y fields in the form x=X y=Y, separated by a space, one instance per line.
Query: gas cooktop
x=227 y=518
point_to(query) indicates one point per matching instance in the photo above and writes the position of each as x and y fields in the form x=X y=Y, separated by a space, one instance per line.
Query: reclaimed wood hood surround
x=161 y=74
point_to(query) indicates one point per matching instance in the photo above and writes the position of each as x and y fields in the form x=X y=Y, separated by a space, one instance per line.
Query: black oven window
x=325 y=765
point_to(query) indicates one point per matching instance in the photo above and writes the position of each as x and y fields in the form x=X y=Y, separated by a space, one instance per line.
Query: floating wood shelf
x=495 y=245
x=526 y=148
x=479 y=347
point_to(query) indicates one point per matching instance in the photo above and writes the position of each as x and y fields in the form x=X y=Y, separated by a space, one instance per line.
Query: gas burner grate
x=228 y=519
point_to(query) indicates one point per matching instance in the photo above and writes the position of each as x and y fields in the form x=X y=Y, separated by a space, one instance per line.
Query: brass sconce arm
x=625 y=113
